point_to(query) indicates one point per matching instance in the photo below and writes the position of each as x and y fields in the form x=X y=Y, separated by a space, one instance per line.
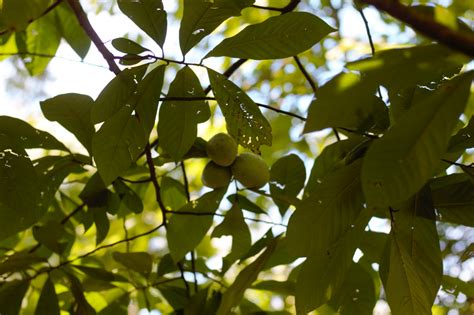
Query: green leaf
x=280 y=36
x=18 y=262
x=245 y=204
x=399 y=164
x=173 y=193
x=28 y=136
x=234 y=225
x=453 y=198
x=147 y=15
x=128 y=46
x=48 y=303
x=412 y=270
x=71 y=30
x=129 y=197
x=464 y=138
x=335 y=202
x=11 y=296
x=347 y=101
x=287 y=177
x=329 y=160
x=100 y=274
x=20 y=190
x=244 y=280
x=82 y=305
x=102 y=223
x=166 y=265
x=357 y=294
x=283 y=288
x=148 y=95
x=41 y=40
x=117 y=94
x=119 y=306
x=186 y=230
x=244 y=120
x=73 y=112
x=117 y=144
x=17 y=14
x=201 y=17
x=52 y=235
x=451 y=284
x=140 y=262
x=323 y=274
x=419 y=65
x=178 y=120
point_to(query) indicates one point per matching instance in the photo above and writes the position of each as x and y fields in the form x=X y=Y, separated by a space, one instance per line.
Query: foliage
x=124 y=223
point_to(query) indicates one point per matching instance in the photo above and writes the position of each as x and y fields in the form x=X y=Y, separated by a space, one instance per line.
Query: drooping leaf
x=453 y=198
x=357 y=294
x=73 y=112
x=48 y=303
x=72 y=31
x=244 y=280
x=83 y=306
x=148 y=94
x=234 y=225
x=244 y=120
x=17 y=14
x=41 y=40
x=28 y=136
x=20 y=190
x=287 y=177
x=178 y=120
x=52 y=235
x=102 y=223
x=399 y=164
x=166 y=265
x=323 y=274
x=277 y=37
x=11 y=296
x=347 y=101
x=116 y=94
x=412 y=269
x=335 y=202
x=117 y=144
x=186 y=230
x=245 y=204
x=419 y=65
x=129 y=197
x=201 y=17
x=148 y=15
x=138 y=261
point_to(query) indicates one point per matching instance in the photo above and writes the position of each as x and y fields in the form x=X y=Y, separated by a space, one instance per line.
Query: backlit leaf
x=277 y=37
x=201 y=17
x=244 y=120
x=48 y=303
x=399 y=164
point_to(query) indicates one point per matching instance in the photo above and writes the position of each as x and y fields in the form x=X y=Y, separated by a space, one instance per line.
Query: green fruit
x=222 y=149
x=215 y=176
x=251 y=170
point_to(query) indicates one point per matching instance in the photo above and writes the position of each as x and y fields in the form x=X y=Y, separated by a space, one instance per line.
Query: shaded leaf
x=128 y=196
x=245 y=122
x=28 y=136
x=347 y=101
x=20 y=190
x=186 y=230
x=464 y=138
x=100 y=274
x=138 y=261
x=72 y=31
x=19 y=261
x=116 y=94
x=287 y=177
x=147 y=15
x=11 y=296
x=82 y=305
x=52 y=235
x=128 y=46
x=280 y=36
x=284 y=288
x=73 y=112
x=412 y=269
x=244 y=280
x=178 y=120
x=173 y=193
x=48 y=303
x=245 y=204
x=201 y=17
x=399 y=164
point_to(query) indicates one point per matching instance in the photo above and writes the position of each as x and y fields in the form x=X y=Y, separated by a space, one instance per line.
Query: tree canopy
x=361 y=111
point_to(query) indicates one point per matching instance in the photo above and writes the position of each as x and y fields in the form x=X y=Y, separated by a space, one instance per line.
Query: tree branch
x=459 y=40
x=81 y=16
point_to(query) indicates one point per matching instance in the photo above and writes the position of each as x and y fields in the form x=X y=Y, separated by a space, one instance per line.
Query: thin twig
x=305 y=73
x=200 y=214
x=81 y=16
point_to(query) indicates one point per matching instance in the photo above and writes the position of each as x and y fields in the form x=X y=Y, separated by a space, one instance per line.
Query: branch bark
x=458 y=40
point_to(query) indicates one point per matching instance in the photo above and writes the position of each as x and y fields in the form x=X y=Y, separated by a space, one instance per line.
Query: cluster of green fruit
x=248 y=168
